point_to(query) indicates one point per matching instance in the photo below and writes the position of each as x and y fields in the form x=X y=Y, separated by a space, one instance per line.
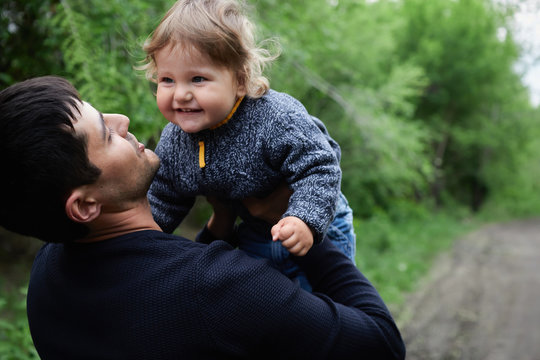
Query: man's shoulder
x=213 y=263
x=136 y=257
x=149 y=241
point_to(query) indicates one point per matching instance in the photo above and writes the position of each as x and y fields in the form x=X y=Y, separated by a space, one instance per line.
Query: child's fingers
x=295 y=246
x=275 y=231
x=282 y=230
x=294 y=235
x=298 y=249
x=286 y=231
x=290 y=242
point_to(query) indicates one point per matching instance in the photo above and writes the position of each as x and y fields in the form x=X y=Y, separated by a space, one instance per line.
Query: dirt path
x=482 y=300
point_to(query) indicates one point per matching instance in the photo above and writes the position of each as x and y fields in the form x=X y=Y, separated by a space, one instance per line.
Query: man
x=108 y=284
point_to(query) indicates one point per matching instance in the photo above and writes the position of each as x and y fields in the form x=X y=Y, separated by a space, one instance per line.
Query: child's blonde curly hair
x=219 y=29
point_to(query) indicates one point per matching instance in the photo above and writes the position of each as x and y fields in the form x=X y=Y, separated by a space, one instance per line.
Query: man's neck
x=113 y=224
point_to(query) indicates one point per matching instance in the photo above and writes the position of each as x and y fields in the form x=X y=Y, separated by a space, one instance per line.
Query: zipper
x=202 y=163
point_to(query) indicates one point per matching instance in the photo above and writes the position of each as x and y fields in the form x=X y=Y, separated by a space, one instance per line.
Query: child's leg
x=281 y=258
x=341 y=230
x=257 y=242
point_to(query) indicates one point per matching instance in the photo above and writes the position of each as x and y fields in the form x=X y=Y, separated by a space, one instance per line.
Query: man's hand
x=294 y=235
x=272 y=207
x=221 y=223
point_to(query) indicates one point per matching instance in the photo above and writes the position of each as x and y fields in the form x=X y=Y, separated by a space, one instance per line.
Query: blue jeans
x=341 y=230
x=255 y=239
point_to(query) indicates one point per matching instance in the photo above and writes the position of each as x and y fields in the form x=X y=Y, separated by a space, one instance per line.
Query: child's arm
x=302 y=153
x=168 y=207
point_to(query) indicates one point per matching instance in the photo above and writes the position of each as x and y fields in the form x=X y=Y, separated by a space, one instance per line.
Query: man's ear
x=81 y=208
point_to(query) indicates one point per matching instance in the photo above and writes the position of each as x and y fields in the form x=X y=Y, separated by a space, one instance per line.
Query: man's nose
x=117 y=122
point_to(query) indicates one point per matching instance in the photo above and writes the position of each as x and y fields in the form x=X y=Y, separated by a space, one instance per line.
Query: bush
x=15 y=340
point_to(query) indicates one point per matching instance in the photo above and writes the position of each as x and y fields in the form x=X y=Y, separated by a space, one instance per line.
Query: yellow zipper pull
x=201 y=154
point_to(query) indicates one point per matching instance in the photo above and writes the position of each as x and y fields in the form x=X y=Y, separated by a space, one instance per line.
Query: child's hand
x=294 y=234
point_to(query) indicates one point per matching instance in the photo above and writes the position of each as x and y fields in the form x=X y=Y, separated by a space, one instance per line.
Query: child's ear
x=241 y=80
x=241 y=91
x=81 y=208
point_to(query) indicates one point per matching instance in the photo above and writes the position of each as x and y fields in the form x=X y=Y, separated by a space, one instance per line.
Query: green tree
x=28 y=47
x=96 y=44
x=471 y=90
x=102 y=46
x=338 y=59
x=421 y=95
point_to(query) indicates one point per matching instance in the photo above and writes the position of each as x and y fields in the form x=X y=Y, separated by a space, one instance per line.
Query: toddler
x=230 y=137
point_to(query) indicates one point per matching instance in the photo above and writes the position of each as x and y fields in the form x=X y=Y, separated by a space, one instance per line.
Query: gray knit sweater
x=267 y=141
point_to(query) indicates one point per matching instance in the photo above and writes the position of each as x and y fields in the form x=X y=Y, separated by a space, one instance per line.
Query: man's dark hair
x=43 y=158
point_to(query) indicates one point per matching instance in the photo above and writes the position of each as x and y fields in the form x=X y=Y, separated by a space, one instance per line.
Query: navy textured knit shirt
x=266 y=142
x=150 y=295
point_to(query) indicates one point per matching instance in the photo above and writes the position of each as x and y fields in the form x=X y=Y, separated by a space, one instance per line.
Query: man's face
x=127 y=167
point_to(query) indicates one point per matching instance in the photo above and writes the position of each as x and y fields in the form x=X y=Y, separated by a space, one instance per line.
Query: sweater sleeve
x=253 y=311
x=169 y=206
x=310 y=166
x=333 y=143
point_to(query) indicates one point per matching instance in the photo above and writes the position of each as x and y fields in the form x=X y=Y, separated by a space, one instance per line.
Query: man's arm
x=272 y=207
x=220 y=226
x=252 y=310
x=332 y=274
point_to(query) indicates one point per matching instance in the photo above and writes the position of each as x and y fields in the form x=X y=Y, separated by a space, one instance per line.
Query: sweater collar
x=226 y=120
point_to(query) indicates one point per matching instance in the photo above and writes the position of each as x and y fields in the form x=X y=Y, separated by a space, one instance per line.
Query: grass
x=394 y=253
x=395 y=250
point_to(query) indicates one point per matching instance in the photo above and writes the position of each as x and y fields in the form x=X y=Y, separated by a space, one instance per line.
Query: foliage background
x=436 y=128
x=421 y=95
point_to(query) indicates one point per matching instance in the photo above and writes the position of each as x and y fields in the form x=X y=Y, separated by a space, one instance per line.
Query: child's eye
x=198 y=79
x=166 y=80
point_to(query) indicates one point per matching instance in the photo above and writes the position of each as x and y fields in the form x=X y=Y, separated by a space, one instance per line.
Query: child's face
x=192 y=92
